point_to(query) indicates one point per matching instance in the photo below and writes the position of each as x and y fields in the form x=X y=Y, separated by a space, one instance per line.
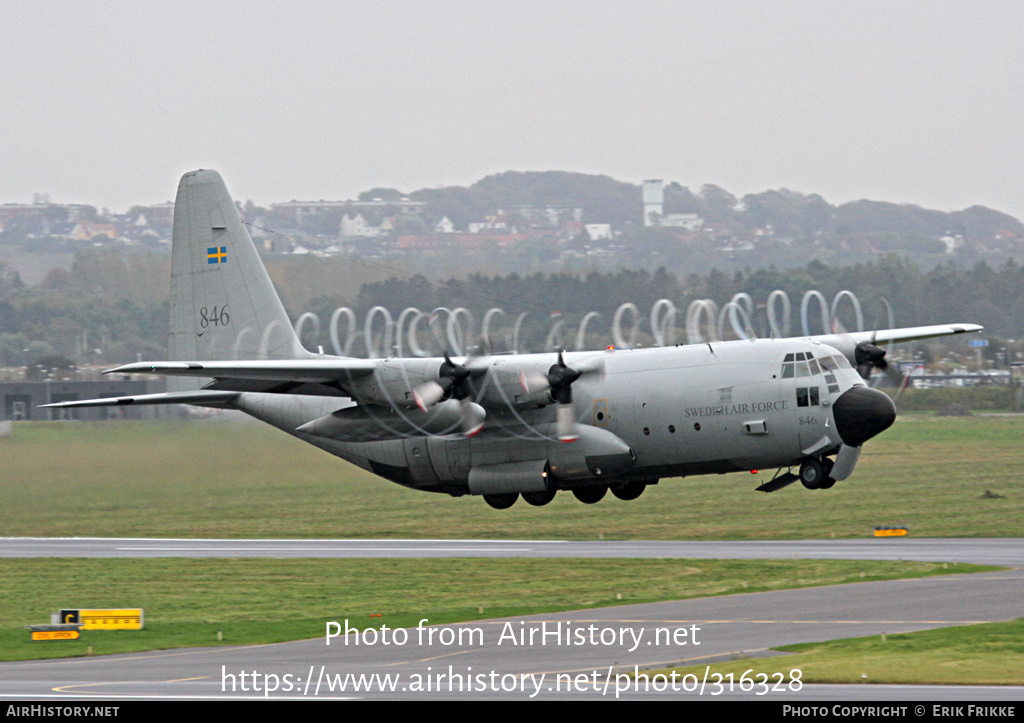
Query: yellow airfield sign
x=120 y=619
x=55 y=635
x=890 y=531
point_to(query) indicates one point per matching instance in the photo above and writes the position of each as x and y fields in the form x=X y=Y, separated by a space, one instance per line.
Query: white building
x=654 y=200
x=356 y=226
x=689 y=221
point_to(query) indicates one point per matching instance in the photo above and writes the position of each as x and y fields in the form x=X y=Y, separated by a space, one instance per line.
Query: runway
x=993 y=551
x=581 y=655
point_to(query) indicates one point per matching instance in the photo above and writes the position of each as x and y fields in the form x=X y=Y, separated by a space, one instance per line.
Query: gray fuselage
x=654 y=413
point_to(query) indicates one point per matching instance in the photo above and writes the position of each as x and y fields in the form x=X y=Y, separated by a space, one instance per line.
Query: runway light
x=753 y=471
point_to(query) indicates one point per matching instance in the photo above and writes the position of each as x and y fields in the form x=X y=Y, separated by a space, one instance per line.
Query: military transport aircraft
x=511 y=425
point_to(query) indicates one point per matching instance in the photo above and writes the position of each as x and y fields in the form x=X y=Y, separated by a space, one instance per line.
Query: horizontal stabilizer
x=200 y=397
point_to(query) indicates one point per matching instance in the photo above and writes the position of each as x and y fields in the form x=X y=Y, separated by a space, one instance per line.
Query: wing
x=326 y=370
x=885 y=336
x=861 y=347
x=324 y=377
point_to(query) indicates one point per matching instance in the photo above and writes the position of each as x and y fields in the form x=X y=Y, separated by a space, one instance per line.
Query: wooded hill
x=606 y=200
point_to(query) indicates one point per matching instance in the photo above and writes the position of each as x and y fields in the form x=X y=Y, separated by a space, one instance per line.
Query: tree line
x=112 y=307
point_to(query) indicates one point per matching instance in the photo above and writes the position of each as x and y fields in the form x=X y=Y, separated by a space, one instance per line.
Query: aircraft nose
x=861 y=413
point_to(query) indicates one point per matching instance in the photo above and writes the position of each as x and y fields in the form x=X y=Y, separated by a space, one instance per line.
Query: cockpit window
x=803 y=364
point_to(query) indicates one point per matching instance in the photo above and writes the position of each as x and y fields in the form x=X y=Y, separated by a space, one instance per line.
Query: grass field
x=221 y=480
x=984 y=654
x=261 y=601
x=939 y=476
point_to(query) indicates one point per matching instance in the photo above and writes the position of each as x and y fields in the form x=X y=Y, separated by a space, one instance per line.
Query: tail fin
x=223 y=305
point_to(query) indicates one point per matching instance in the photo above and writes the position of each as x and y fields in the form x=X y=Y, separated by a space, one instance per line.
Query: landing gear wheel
x=539 y=499
x=629 y=491
x=826 y=470
x=501 y=502
x=590 y=495
x=811 y=474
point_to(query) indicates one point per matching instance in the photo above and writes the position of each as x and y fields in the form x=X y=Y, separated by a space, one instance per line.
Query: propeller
x=453 y=382
x=867 y=357
x=558 y=381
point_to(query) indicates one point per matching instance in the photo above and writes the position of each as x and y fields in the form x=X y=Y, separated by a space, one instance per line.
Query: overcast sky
x=108 y=103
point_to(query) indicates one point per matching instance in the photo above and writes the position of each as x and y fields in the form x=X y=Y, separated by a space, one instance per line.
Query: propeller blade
x=533 y=383
x=894 y=375
x=591 y=366
x=904 y=383
x=891 y=319
x=473 y=417
x=567 y=423
x=428 y=394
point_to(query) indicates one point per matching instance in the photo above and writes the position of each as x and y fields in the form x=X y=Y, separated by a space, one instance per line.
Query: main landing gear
x=590 y=495
x=501 y=502
x=587 y=495
x=629 y=490
x=814 y=473
x=539 y=499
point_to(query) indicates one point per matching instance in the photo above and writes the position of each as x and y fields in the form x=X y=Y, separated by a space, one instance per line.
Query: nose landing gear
x=814 y=473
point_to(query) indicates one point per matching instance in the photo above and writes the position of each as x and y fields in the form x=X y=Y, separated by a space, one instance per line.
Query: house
x=689 y=221
x=84 y=231
x=356 y=226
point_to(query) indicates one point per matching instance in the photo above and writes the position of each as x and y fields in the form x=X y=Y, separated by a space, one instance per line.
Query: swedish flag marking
x=217 y=255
